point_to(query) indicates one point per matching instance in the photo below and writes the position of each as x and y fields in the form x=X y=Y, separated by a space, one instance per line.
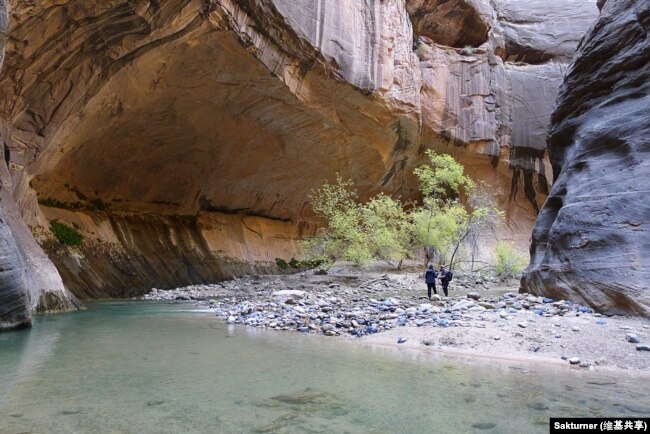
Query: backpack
x=450 y=275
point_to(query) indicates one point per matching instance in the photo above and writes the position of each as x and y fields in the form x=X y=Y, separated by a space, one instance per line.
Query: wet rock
x=401 y=340
x=584 y=364
x=537 y=405
x=574 y=360
x=484 y=425
x=642 y=347
x=473 y=295
x=631 y=337
x=522 y=324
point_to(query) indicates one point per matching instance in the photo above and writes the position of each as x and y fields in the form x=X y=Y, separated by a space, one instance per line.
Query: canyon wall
x=160 y=117
x=28 y=279
x=590 y=242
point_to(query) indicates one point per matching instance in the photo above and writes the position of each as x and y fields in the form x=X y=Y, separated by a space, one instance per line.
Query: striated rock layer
x=158 y=117
x=591 y=242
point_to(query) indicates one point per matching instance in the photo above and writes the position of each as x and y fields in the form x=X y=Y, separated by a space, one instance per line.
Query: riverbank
x=481 y=318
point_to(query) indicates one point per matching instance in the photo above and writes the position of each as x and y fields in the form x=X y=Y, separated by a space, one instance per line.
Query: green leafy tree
x=443 y=225
x=388 y=227
x=510 y=261
x=378 y=229
x=440 y=181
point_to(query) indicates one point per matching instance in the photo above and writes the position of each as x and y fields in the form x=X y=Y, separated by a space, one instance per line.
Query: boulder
x=591 y=241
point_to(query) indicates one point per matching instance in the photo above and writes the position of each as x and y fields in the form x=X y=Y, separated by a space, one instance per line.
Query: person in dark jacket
x=430 y=279
x=444 y=280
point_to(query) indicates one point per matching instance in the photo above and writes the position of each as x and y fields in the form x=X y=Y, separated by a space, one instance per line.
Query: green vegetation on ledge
x=65 y=234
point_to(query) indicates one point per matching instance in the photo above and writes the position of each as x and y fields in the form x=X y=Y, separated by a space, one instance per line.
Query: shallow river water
x=137 y=367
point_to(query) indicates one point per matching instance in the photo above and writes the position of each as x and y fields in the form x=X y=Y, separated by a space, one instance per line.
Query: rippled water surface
x=136 y=367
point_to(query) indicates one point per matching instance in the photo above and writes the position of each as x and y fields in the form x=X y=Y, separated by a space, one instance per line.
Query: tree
x=342 y=237
x=382 y=228
x=379 y=228
x=485 y=217
x=510 y=262
x=388 y=227
x=440 y=184
x=443 y=224
x=482 y=219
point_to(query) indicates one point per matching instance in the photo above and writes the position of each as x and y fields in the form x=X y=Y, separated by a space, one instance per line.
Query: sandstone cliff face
x=590 y=242
x=208 y=109
x=28 y=280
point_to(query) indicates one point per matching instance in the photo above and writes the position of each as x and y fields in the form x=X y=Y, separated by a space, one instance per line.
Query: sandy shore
x=598 y=346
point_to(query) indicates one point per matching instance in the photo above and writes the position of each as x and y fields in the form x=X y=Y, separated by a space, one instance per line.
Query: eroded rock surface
x=191 y=109
x=590 y=241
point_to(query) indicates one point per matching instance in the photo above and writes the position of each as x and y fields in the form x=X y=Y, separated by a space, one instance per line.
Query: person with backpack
x=445 y=278
x=430 y=279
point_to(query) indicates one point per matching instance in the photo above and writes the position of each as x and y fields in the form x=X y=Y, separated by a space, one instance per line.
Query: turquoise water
x=137 y=367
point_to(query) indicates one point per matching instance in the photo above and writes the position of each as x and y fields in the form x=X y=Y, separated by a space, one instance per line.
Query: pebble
x=574 y=360
x=631 y=337
x=329 y=309
x=575 y=328
x=642 y=347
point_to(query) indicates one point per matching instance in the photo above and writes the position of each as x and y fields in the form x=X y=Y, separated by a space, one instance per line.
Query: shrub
x=99 y=205
x=510 y=261
x=65 y=234
x=281 y=263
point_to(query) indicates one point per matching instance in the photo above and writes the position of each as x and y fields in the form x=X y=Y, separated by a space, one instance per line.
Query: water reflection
x=23 y=353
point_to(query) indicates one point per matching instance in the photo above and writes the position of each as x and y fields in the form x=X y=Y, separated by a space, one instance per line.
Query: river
x=141 y=367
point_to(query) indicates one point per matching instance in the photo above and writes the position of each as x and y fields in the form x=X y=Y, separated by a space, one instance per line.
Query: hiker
x=445 y=278
x=430 y=279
